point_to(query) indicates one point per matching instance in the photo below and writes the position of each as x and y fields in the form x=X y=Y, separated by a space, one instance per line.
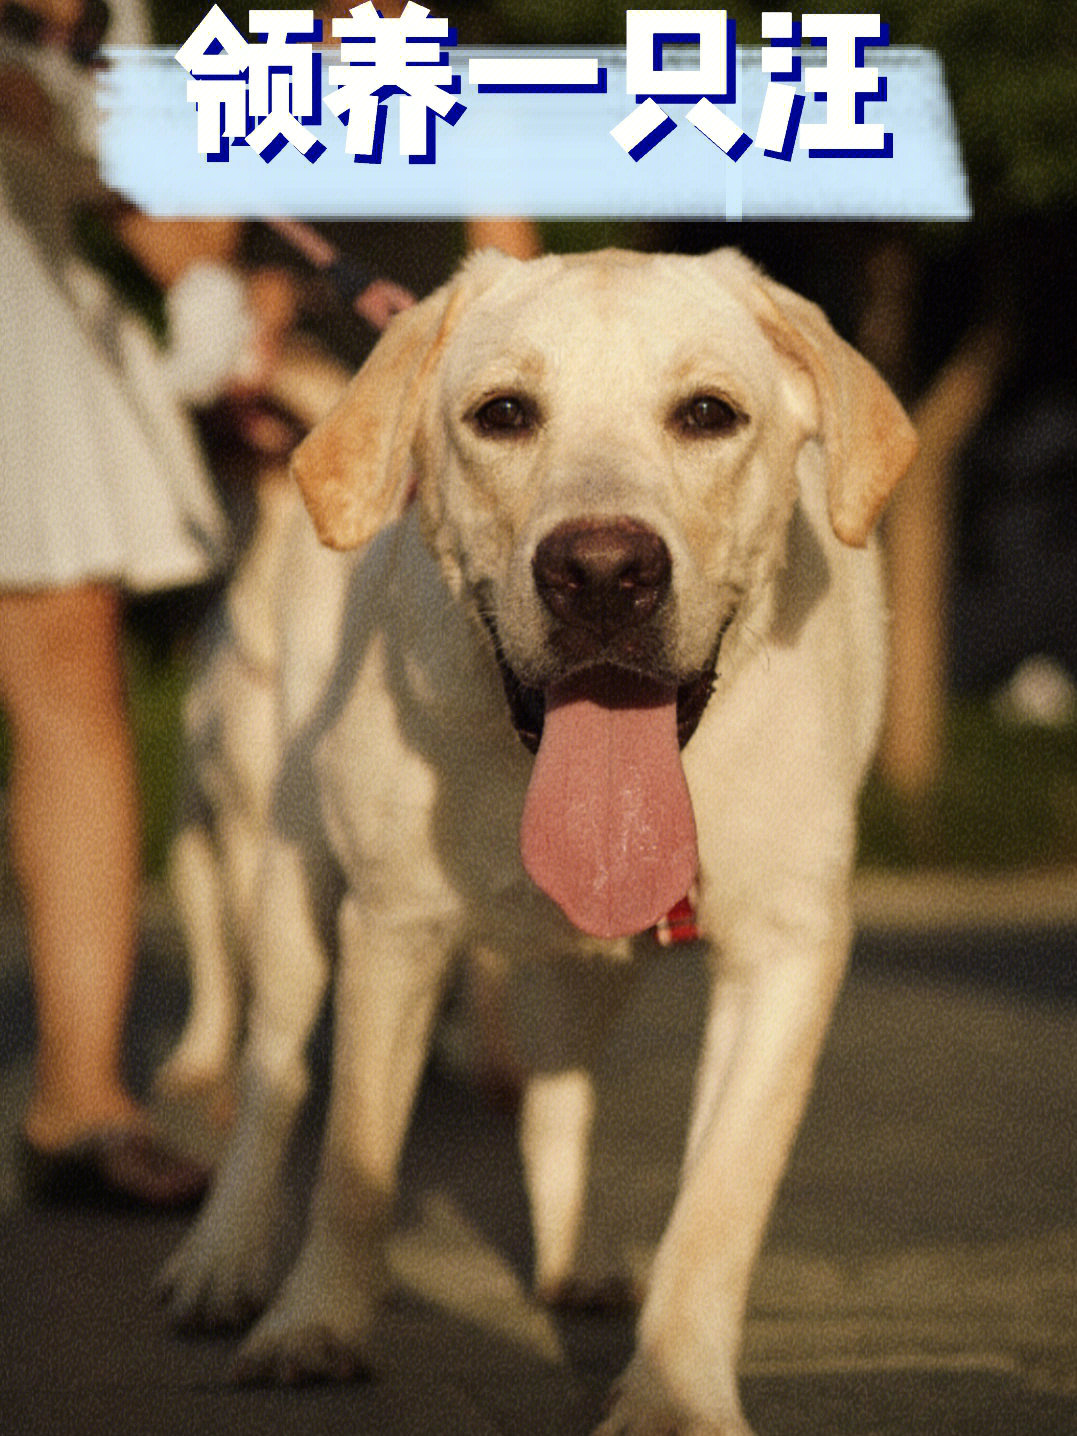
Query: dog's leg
x=555 y=1135
x=575 y=1002
x=224 y=1272
x=775 y=988
x=204 y=1054
x=242 y=844
x=389 y=982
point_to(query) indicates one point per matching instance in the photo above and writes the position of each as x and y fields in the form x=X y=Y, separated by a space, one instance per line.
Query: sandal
x=114 y=1168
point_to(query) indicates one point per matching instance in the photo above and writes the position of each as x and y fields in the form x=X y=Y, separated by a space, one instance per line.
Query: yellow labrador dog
x=614 y=626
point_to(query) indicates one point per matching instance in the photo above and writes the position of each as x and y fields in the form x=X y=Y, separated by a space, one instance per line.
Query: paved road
x=918 y=1279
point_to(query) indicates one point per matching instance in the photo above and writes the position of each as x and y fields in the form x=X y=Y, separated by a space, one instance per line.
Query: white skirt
x=101 y=475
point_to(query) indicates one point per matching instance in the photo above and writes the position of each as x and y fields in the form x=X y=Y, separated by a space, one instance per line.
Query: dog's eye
x=506 y=414
x=708 y=414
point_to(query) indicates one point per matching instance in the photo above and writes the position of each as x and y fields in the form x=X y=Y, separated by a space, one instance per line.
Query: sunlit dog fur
x=403 y=776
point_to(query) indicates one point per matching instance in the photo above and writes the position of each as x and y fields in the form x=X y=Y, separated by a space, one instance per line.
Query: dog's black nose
x=602 y=574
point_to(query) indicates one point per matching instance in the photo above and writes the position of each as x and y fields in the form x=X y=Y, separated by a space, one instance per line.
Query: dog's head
x=606 y=450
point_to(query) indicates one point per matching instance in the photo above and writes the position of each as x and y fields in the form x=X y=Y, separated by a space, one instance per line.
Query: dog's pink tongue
x=607 y=828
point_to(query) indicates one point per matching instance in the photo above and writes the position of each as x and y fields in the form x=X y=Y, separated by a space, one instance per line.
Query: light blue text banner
x=543 y=155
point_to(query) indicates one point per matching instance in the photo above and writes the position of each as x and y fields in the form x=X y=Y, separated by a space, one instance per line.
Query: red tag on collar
x=679 y=925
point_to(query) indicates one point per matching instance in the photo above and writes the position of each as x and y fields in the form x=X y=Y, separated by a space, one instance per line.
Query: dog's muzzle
x=604 y=583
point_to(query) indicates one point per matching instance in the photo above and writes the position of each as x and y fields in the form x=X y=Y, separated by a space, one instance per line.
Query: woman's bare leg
x=75 y=841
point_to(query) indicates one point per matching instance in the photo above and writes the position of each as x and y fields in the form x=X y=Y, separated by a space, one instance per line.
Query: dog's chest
x=420 y=771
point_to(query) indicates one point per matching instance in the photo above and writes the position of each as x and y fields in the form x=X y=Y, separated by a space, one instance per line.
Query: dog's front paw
x=283 y=1352
x=221 y=1276
x=641 y=1404
x=318 y=1329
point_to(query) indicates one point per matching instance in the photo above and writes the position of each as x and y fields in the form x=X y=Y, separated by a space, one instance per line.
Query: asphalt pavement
x=919 y=1277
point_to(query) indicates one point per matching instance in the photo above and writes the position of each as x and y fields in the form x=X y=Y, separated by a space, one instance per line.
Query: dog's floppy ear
x=867 y=436
x=352 y=469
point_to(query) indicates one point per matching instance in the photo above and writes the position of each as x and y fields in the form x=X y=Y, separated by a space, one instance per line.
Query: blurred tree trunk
x=919 y=538
x=918 y=529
